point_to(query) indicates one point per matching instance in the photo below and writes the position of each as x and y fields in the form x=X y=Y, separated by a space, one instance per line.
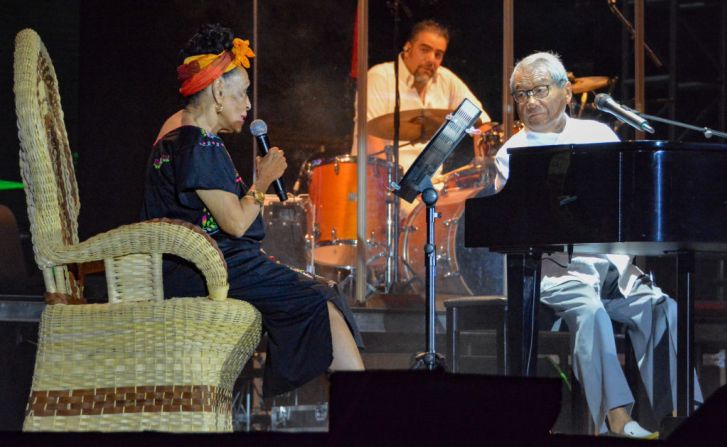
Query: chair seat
x=165 y=366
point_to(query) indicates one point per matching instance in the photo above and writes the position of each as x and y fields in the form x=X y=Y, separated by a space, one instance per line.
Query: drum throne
x=137 y=362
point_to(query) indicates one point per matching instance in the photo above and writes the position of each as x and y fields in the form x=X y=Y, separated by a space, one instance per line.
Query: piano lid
x=638 y=197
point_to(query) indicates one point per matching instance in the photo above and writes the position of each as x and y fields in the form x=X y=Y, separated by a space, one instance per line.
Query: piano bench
x=469 y=317
x=474 y=321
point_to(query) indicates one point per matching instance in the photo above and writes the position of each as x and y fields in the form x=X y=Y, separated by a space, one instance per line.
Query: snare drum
x=460 y=270
x=333 y=194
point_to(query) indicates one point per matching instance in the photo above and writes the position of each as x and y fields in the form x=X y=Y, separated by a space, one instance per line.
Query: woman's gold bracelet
x=259 y=196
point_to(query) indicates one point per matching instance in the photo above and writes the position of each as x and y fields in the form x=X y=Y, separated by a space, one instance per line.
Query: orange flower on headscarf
x=241 y=51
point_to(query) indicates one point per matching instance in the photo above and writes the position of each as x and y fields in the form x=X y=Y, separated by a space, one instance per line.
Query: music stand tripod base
x=431 y=361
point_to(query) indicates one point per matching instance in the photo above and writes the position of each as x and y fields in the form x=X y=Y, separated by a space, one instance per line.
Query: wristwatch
x=259 y=196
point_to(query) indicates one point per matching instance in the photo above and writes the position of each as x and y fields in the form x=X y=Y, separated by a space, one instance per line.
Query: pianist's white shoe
x=632 y=429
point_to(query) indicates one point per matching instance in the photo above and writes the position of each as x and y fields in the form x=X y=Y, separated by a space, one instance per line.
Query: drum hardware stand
x=310 y=266
x=430 y=359
x=310 y=240
x=392 y=264
x=392 y=221
x=409 y=272
x=346 y=285
x=409 y=284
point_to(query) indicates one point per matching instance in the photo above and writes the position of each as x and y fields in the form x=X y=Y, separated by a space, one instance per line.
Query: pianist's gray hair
x=549 y=61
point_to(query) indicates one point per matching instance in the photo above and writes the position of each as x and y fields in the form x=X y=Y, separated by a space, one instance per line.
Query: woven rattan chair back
x=46 y=166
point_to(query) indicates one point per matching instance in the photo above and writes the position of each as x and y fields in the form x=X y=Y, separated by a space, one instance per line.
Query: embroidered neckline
x=163 y=158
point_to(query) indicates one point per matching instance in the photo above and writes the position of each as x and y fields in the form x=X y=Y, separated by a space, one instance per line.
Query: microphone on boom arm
x=625 y=114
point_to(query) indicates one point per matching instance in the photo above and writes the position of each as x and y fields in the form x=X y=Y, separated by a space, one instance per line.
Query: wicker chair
x=138 y=362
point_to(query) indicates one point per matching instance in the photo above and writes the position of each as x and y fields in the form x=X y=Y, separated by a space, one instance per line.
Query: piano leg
x=523 y=297
x=685 y=332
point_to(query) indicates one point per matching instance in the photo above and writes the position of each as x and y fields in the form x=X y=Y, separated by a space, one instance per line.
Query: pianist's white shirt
x=556 y=268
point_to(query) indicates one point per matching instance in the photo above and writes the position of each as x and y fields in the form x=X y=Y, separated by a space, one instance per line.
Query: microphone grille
x=600 y=100
x=258 y=127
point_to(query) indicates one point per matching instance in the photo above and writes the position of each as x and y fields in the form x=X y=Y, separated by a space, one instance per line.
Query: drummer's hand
x=269 y=168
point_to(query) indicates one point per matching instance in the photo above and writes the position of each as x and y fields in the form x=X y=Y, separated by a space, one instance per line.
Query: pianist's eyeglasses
x=537 y=92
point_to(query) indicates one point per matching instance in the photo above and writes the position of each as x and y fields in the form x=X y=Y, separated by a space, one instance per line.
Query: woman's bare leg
x=346 y=356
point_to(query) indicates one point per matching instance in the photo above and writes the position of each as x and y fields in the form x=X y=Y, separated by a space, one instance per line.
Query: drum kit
x=316 y=231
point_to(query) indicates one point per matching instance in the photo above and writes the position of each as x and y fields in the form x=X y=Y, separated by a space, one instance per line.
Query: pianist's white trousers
x=649 y=316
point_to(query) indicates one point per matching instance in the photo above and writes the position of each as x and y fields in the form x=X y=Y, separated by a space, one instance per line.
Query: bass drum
x=460 y=270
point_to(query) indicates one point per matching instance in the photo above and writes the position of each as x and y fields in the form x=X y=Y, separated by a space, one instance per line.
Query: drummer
x=425 y=88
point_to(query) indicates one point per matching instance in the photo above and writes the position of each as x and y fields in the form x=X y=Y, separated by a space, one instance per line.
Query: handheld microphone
x=605 y=103
x=259 y=130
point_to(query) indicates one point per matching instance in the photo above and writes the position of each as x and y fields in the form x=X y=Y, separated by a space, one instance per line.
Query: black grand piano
x=637 y=198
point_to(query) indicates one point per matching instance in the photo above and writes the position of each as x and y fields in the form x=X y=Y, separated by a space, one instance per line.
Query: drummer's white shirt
x=592 y=268
x=443 y=91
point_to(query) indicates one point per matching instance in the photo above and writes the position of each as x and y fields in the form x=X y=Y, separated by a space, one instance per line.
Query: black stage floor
x=393 y=330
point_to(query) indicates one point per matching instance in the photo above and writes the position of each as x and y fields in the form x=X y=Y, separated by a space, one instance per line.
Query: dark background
x=116 y=66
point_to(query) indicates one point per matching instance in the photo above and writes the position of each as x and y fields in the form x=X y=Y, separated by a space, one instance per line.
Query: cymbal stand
x=392 y=264
x=430 y=359
x=392 y=225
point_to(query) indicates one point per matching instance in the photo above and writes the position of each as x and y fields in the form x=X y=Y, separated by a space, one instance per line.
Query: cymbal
x=414 y=125
x=588 y=83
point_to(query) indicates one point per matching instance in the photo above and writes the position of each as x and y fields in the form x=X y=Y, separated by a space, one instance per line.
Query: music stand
x=418 y=181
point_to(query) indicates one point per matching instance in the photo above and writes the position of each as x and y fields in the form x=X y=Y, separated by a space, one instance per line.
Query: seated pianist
x=589 y=291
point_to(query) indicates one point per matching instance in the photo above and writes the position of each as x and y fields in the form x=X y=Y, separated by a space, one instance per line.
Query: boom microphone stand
x=706 y=131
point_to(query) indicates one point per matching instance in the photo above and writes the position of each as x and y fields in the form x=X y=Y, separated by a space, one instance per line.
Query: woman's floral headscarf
x=198 y=71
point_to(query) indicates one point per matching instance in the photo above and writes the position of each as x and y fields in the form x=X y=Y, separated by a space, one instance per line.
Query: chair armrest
x=150 y=237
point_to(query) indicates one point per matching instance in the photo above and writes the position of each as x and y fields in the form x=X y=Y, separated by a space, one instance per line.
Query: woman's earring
x=219 y=108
